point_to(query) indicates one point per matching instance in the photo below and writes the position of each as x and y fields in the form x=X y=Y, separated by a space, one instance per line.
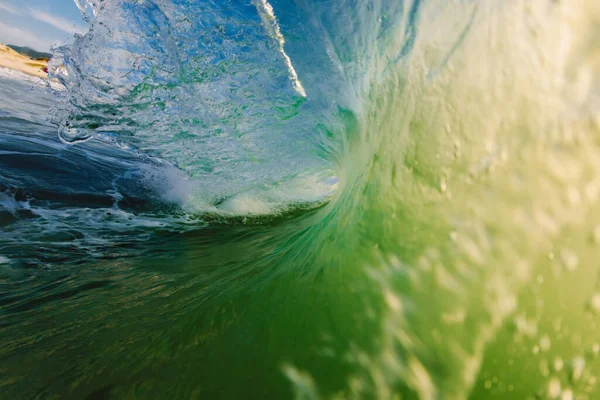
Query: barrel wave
x=306 y=199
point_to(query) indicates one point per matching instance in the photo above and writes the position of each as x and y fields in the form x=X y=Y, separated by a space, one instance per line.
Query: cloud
x=12 y=35
x=6 y=6
x=57 y=22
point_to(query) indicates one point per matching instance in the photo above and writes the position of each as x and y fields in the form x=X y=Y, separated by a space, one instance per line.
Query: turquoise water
x=305 y=199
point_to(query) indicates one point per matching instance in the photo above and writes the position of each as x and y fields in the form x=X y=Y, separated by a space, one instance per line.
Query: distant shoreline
x=12 y=60
x=29 y=52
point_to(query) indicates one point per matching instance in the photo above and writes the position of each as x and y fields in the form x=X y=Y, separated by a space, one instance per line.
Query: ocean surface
x=305 y=199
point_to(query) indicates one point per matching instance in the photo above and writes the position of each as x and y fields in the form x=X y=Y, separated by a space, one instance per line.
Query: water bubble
x=74 y=135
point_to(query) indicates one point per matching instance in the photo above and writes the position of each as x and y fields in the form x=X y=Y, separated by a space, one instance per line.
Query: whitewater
x=305 y=199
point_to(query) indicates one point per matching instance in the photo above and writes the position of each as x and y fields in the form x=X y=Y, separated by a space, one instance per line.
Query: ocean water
x=308 y=199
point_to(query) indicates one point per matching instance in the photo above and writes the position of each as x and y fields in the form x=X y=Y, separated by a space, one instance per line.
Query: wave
x=413 y=186
x=208 y=87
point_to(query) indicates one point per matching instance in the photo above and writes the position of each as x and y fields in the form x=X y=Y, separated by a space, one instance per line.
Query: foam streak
x=267 y=15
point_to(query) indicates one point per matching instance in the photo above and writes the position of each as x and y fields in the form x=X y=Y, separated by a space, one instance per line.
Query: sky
x=39 y=23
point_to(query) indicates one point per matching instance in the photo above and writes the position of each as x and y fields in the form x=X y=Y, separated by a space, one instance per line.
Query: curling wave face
x=208 y=87
x=385 y=199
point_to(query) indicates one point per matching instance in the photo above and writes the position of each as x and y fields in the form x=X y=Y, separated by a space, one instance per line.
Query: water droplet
x=545 y=343
x=577 y=367
x=596 y=349
x=558 y=364
x=554 y=388
x=567 y=395
x=456 y=149
x=569 y=259
x=393 y=301
x=557 y=325
x=594 y=303
x=525 y=326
